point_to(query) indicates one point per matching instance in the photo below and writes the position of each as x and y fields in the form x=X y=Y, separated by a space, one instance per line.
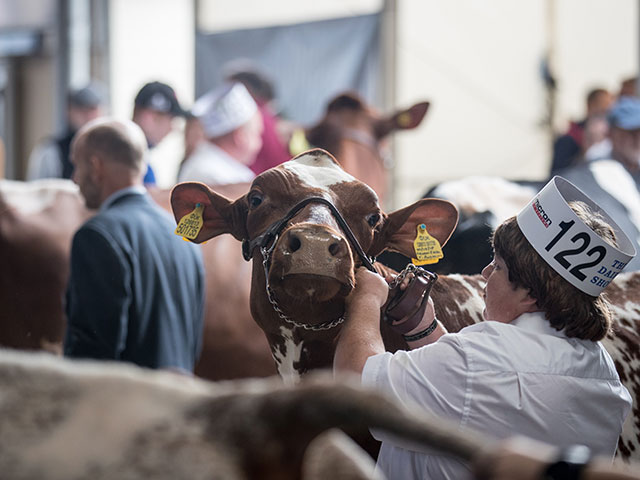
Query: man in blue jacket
x=136 y=290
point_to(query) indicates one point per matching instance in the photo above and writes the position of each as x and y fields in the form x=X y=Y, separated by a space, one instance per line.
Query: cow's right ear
x=400 y=228
x=220 y=215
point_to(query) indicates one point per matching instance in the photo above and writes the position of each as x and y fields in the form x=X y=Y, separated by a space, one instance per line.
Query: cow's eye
x=373 y=219
x=255 y=199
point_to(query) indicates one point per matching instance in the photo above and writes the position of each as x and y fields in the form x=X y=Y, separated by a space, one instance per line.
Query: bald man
x=136 y=290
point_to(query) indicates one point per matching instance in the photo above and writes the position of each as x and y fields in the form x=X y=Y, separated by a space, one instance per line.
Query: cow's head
x=305 y=263
x=348 y=115
x=356 y=134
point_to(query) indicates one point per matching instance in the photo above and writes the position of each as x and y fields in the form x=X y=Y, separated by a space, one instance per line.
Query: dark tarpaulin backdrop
x=309 y=63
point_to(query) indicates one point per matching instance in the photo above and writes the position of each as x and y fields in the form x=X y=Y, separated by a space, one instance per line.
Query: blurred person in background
x=50 y=157
x=232 y=126
x=193 y=135
x=273 y=151
x=628 y=87
x=570 y=148
x=155 y=107
x=136 y=290
x=614 y=180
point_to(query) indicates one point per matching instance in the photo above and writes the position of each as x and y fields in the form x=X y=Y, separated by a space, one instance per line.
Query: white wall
x=152 y=40
x=597 y=45
x=479 y=64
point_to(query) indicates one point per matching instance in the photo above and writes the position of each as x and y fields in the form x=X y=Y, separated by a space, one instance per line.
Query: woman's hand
x=369 y=287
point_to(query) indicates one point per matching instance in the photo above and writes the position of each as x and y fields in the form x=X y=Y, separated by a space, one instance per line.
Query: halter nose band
x=270 y=234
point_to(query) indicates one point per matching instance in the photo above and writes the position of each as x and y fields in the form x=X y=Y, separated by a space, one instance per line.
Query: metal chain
x=410 y=268
x=266 y=254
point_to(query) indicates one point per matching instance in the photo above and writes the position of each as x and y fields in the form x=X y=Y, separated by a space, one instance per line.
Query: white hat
x=567 y=244
x=224 y=109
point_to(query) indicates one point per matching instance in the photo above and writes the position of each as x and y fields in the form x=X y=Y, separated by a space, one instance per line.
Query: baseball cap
x=160 y=97
x=224 y=109
x=90 y=96
x=625 y=113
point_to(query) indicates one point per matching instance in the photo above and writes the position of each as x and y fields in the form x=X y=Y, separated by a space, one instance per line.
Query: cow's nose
x=313 y=244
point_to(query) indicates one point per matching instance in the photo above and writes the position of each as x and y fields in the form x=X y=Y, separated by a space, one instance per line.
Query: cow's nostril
x=335 y=249
x=294 y=243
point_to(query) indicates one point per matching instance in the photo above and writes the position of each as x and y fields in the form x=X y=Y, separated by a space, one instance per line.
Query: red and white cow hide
x=62 y=419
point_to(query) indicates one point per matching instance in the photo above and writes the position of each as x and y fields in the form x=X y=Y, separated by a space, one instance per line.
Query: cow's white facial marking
x=286 y=355
x=317 y=171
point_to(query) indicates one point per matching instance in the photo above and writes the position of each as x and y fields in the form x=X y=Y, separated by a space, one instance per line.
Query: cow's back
x=623 y=344
x=37 y=222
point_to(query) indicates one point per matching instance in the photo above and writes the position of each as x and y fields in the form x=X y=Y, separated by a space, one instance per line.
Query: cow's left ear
x=220 y=215
x=399 y=230
x=402 y=120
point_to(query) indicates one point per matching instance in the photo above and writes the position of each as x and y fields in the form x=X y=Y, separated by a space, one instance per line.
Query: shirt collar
x=536 y=322
x=111 y=199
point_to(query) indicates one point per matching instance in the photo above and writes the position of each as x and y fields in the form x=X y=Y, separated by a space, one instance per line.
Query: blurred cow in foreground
x=64 y=419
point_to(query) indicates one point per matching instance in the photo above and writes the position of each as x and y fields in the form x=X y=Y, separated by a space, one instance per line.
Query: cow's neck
x=295 y=350
x=296 y=355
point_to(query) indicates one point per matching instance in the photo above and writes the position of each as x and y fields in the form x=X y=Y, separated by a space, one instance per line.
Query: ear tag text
x=427 y=248
x=190 y=225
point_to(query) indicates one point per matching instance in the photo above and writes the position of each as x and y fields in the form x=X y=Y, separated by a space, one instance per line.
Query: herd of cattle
x=258 y=321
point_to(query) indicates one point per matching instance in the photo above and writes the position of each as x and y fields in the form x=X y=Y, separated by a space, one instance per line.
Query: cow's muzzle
x=267 y=240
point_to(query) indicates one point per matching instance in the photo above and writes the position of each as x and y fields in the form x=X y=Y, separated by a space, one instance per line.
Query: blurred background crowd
x=504 y=80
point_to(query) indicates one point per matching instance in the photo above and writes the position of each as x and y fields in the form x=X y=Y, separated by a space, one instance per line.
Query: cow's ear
x=220 y=215
x=400 y=228
x=402 y=120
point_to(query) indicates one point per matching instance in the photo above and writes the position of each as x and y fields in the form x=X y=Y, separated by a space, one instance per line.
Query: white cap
x=567 y=244
x=224 y=109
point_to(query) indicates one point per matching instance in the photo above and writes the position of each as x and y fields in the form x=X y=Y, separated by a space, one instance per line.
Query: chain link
x=410 y=268
x=266 y=254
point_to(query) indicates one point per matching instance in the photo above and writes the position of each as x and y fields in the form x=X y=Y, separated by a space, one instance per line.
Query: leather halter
x=270 y=235
x=267 y=242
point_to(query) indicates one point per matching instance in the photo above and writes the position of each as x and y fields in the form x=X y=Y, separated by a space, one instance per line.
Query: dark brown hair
x=566 y=308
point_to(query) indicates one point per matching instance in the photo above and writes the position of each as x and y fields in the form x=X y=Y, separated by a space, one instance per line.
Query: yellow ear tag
x=427 y=248
x=190 y=225
x=404 y=119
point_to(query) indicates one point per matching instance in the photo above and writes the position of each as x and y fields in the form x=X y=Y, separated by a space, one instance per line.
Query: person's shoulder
x=484 y=327
x=494 y=338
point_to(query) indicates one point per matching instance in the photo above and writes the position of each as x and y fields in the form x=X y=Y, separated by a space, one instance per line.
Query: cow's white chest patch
x=317 y=171
x=287 y=356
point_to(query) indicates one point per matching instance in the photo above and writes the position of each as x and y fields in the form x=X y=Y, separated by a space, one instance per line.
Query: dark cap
x=625 y=113
x=159 y=97
x=89 y=96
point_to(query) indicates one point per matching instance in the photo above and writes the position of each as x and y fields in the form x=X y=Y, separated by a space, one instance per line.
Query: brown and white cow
x=311 y=264
x=63 y=419
x=310 y=261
